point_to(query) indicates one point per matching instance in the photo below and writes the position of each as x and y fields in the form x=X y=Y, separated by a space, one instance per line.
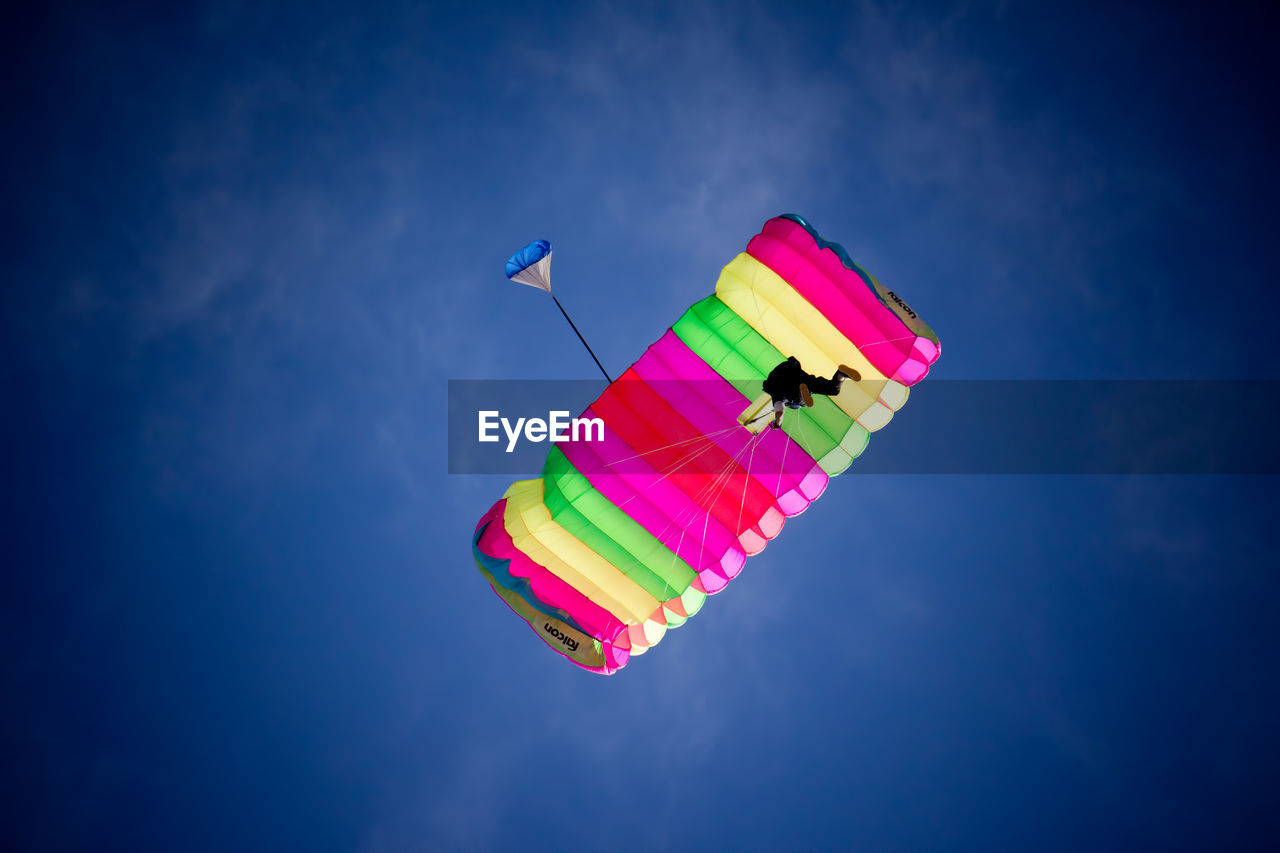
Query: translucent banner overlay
x=946 y=426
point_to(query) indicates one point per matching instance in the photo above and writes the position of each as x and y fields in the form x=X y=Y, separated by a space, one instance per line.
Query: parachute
x=630 y=528
x=532 y=265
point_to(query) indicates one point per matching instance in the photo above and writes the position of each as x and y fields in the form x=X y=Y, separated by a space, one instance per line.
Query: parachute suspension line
x=746 y=481
x=671 y=469
x=888 y=341
x=706 y=493
x=703 y=494
x=706 y=525
x=685 y=460
x=697 y=502
x=674 y=444
x=778 y=488
x=764 y=324
x=706 y=512
x=804 y=439
x=696 y=499
x=712 y=491
x=675 y=553
x=581 y=338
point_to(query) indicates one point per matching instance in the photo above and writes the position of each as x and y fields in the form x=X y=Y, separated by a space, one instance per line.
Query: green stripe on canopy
x=577 y=506
x=744 y=358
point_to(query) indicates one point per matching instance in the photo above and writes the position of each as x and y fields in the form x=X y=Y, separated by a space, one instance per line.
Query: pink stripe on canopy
x=657 y=505
x=840 y=294
x=712 y=405
x=550 y=589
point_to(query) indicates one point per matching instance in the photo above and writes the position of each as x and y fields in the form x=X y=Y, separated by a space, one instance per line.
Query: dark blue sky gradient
x=246 y=245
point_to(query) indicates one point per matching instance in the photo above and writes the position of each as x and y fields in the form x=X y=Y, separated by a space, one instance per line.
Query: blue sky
x=247 y=244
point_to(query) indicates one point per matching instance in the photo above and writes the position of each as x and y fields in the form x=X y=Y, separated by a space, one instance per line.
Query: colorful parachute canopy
x=627 y=532
x=532 y=265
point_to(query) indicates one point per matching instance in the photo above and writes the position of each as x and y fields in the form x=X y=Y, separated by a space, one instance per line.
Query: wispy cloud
x=711 y=118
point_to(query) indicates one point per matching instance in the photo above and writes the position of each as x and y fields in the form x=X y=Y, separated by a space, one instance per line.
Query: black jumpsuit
x=784 y=381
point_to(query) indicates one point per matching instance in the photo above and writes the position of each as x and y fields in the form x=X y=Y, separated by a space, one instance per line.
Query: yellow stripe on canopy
x=534 y=532
x=778 y=312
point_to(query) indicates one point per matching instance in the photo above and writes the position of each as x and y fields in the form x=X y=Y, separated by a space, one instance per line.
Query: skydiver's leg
x=831 y=387
x=778 y=408
x=826 y=387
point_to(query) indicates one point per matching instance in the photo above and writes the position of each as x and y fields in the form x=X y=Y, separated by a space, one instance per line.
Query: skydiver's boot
x=805 y=396
x=846 y=370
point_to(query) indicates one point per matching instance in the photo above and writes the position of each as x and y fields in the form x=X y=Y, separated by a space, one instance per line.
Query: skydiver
x=791 y=387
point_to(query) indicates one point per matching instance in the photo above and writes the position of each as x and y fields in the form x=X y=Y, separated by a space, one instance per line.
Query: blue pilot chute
x=532 y=265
